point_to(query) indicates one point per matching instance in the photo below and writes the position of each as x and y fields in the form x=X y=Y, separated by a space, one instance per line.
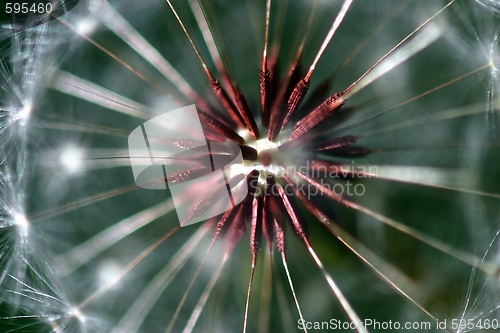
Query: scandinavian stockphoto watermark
x=458 y=325
x=172 y=149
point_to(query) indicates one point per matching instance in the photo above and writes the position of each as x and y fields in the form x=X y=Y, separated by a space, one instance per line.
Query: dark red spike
x=276 y=209
x=273 y=63
x=202 y=104
x=280 y=234
x=298 y=94
x=248 y=153
x=331 y=105
x=298 y=222
x=226 y=101
x=257 y=224
x=265 y=90
x=225 y=222
x=245 y=112
x=279 y=108
x=265 y=73
x=228 y=216
x=335 y=143
x=238 y=227
x=252 y=183
x=273 y=76
x=224 y=78
x=219 y=127
x=239 y=224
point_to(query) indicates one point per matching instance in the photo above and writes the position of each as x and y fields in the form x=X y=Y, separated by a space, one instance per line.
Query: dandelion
x=368 y=171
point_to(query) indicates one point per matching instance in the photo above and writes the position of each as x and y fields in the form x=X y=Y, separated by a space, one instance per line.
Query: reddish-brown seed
x=298 y=94
x=256 y=232
x=228 y=216
x=279 y=106
x=226 y=102
x=239 y=225
x=218 y=127
x=331 y=105
x=246 y=114
x=248 y=153
x=265 y=87
x=298 y=222
x=276 y=209
x=280 y=234
x=224 y=222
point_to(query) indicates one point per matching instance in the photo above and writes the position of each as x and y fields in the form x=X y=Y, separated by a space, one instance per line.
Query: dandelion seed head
x=269 y=161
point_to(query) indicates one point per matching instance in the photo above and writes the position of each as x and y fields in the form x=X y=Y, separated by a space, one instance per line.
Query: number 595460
x=24 y=8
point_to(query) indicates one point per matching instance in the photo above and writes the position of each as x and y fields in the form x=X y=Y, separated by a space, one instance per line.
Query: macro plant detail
x=368 y=136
